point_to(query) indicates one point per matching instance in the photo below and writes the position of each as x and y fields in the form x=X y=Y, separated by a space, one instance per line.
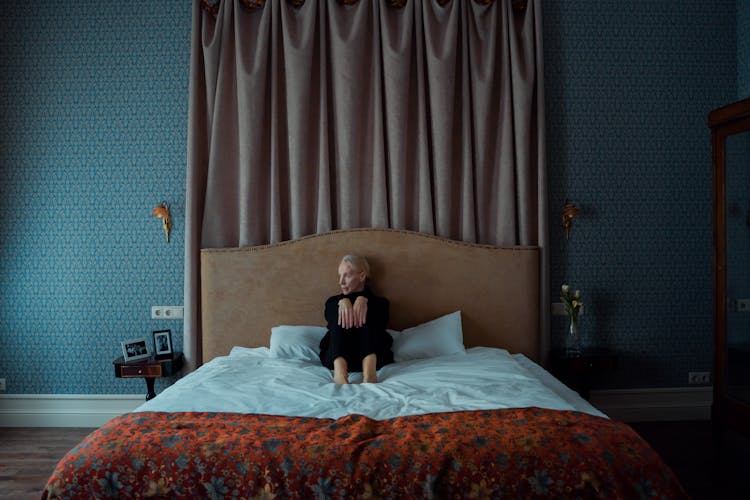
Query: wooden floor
x=28 y=455
x=689 y=449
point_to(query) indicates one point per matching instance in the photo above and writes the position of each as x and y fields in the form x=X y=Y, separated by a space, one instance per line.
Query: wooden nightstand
x=576 y=371
x=149 y=369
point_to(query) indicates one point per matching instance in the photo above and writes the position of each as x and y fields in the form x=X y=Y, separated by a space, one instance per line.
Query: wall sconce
x=161 y=211
x=570 y=211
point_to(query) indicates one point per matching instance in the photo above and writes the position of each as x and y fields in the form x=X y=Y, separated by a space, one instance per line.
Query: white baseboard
x=64 y=410
x=93 y=410
x=653 y=405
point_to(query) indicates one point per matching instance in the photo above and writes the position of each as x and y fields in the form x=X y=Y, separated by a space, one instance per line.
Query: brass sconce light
x=570 y=211
x=161 y=211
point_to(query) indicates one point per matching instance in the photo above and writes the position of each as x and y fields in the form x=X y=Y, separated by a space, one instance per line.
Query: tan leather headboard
x=246 y=291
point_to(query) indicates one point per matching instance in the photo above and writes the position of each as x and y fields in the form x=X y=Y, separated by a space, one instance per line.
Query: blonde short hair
x=358 y=263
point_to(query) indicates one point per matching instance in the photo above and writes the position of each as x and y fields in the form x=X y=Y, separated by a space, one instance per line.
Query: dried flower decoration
x=161 y=211
x=570 y=211
x=571 y=301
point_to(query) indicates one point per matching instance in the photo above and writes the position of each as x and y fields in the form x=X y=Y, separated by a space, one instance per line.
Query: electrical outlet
x=743 y=305
x=167 y=312
x=2 y=384
x=698 y=378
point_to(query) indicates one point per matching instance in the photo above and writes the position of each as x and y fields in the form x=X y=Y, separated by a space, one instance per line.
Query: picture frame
x=135 y=349
x=163 y=343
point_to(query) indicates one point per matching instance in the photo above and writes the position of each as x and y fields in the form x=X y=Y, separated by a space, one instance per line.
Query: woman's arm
x=378 y=313
x=332 y=311
x=357 y=309
x=340 y=311
x=346 y=314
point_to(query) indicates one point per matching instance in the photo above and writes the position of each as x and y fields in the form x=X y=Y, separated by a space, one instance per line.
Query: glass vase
x=573 y=339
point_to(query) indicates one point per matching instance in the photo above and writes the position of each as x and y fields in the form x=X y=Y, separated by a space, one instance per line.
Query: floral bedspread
x=515 y=453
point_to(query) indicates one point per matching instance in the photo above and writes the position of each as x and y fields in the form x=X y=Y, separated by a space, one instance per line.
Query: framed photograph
x=163 y=343
x=135 y=349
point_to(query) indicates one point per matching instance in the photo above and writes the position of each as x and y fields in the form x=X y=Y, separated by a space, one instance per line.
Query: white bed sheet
x=249 y=380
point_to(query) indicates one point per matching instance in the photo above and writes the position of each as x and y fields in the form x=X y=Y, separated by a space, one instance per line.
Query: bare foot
x=340 y=371
x=369 y=369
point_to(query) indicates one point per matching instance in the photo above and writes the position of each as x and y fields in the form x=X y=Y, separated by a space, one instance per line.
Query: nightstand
x=577 y=370
x=149 y=369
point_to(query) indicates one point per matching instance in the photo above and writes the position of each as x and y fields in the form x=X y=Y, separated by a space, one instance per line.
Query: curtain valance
x=212 y=6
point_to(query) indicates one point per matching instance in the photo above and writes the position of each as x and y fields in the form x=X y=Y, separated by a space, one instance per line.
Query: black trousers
x=354 y=345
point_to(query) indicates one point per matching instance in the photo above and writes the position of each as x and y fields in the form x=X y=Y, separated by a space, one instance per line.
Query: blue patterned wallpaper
x=94 y=127
x=629 y=85
x=94 y=120
x=743 y=49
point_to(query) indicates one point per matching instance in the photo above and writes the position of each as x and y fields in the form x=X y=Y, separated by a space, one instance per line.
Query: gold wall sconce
x=570 y=211
x=161 y=211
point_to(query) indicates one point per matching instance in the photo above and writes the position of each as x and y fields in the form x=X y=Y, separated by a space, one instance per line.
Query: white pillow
x=438 y=337
x=300 y=342
x=394 y=333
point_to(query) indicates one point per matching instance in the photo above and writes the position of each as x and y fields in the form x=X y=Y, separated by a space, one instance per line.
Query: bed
x=466 y=411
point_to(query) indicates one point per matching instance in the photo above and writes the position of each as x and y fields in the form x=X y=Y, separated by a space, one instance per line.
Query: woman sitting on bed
x=356 y=339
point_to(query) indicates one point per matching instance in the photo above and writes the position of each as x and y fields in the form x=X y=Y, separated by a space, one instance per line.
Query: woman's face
x=350 y=280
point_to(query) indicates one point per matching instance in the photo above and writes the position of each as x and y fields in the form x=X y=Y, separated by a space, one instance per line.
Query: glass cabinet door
x=737 y=150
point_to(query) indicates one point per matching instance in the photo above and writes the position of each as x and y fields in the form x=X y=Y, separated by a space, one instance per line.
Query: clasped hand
x=352 y=315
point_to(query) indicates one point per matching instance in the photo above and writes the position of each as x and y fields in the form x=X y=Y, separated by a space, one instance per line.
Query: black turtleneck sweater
x=357 y=342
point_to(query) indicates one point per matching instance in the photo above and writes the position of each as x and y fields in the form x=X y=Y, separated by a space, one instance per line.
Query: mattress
x=251 y=380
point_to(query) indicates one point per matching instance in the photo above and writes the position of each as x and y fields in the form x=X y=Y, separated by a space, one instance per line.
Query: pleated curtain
x=308 y=116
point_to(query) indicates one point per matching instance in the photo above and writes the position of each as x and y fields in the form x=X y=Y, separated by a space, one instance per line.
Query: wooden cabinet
x=577 y=371
x=149 y=369
x=730 y=138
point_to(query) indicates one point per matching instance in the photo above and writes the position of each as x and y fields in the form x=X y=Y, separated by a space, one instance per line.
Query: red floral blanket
x=516 y=453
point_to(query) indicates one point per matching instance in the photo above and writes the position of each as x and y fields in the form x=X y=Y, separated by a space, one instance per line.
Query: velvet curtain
x=309 y=116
